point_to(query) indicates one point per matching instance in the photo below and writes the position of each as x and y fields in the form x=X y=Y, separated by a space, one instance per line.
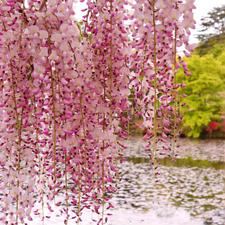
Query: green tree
x=203 y=89
x=214 y=22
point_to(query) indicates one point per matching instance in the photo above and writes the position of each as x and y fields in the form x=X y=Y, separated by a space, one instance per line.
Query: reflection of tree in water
x=197 y=190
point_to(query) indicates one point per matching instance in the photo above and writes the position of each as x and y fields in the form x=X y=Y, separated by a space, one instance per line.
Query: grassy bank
x=181 y=162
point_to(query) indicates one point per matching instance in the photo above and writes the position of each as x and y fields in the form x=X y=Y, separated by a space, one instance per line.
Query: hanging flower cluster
x=160 y=28
x=110 y=51
x=64 y=90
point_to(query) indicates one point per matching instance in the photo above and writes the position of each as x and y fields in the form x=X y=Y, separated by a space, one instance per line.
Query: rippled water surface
x=185 y=194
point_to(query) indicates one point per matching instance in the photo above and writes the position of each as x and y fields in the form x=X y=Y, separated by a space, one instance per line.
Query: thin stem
x=53 y=111
x=155 y=88
x=43 y=5
x=103 y=166
x=66 y=187
x=175 y=95
x=111 y=63
x=18 y=121
x=19 y=132
x=37 y=136
x=54 y=127
x=79 y=195
x=84 y=136
x=103 y=185
x=41 y=170
x=42 y=191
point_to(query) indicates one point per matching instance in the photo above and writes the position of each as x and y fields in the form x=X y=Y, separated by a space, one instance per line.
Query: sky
x=202 y=8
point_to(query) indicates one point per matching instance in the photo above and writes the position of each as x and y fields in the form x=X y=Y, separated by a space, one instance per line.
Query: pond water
x=187 y=193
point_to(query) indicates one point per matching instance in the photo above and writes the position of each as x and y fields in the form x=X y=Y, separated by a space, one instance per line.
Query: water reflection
x=181 y=162
x=195 y=182
x=200 y=191
x=208 y=149
x=189 y=191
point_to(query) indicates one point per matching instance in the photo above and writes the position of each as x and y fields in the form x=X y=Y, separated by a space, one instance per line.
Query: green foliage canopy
x=204 y=90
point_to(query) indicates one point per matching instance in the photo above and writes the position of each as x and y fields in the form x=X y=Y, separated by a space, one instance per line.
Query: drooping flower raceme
x=64 y=93
x=160 y=29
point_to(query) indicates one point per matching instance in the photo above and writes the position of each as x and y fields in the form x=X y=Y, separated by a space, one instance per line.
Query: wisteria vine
x=65 y=88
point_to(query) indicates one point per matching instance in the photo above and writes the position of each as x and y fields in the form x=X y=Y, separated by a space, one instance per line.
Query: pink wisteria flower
x=67 y=88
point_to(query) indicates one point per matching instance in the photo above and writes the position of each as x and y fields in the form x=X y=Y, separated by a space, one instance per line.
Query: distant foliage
x=214 y=45
x=213 y=23
x=204 y=90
